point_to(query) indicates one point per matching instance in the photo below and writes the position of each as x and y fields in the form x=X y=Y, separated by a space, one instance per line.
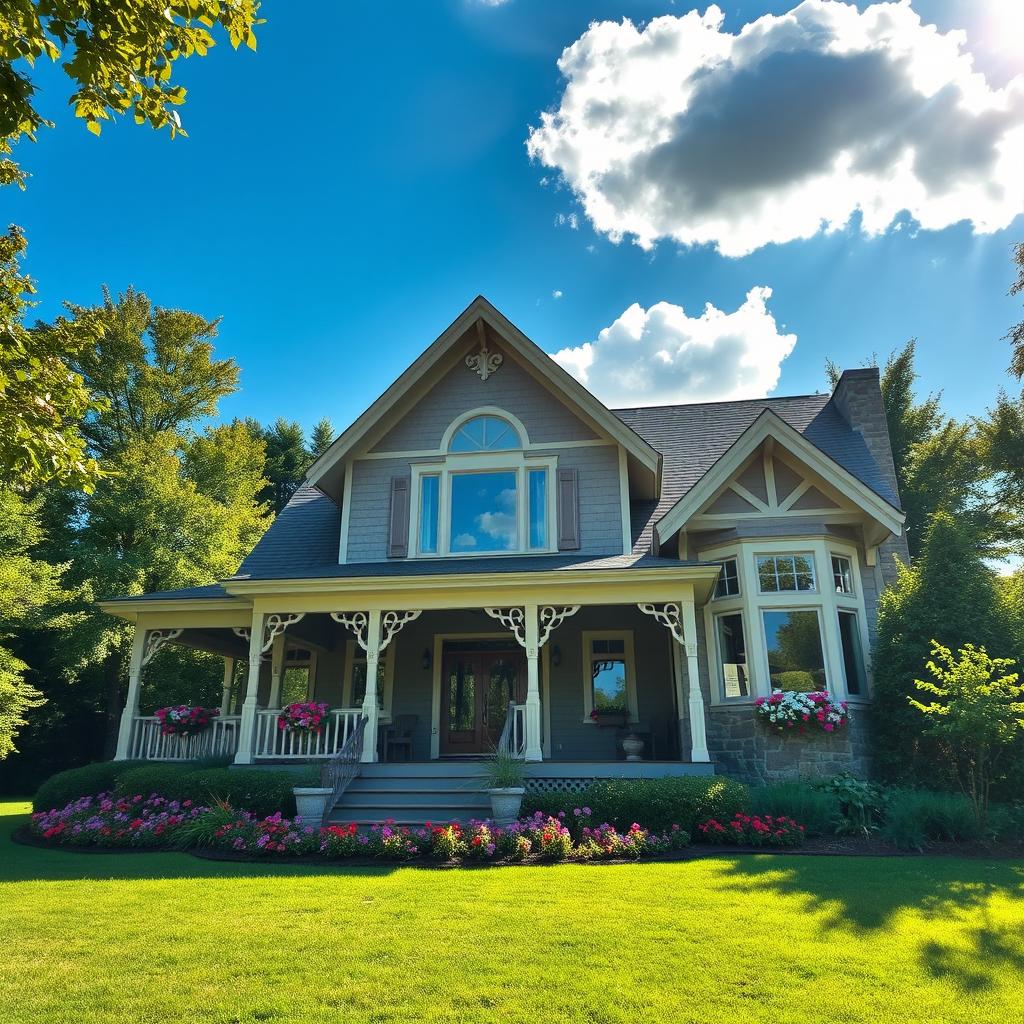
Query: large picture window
x=488 y=496
x=796 y=659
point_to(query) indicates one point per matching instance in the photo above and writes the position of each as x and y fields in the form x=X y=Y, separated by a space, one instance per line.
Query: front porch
x=442 y=683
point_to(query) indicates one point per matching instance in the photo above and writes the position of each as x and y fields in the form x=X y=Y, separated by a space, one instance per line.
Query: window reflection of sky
x=483 y=512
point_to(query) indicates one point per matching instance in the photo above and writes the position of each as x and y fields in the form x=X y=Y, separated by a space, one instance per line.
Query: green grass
x=168 y=938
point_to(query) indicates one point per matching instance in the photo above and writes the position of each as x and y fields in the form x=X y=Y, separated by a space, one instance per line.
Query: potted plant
x=304 y=716
x=311 y=804
x=184 y=719
x=506 y=785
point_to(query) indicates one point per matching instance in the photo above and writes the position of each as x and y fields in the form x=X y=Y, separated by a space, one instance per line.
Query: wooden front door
x=476 y=687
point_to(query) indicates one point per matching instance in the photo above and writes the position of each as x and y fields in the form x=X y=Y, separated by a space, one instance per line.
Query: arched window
x=485 y=434
x=487 y=493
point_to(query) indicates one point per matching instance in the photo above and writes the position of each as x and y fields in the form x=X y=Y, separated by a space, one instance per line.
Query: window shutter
x=398 y=537
x=568 y=510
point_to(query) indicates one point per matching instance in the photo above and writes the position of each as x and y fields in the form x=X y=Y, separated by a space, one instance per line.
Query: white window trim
x=513 y=461
x=389 y=655
x=483 y=410
x=739 y=582
x=626 y=635
x=853 y=582
x=751 y=602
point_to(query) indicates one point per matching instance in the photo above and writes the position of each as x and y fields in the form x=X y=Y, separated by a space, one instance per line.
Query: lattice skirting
x=559 y=785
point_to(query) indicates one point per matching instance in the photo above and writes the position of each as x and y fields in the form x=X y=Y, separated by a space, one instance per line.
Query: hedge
x=262 y=792
x=60 y=789
x=656 y=803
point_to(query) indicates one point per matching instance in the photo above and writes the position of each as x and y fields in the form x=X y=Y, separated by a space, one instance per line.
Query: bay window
x=796 y=658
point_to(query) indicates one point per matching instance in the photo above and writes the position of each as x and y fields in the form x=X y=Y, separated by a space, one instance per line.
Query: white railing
x=218 y=739
x=270 y=741
x=513 y=734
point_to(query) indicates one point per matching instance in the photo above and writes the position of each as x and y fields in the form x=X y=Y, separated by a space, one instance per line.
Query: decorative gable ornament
x=485 y=362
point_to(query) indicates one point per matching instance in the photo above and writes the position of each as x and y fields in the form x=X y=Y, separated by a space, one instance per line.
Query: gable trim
x=770 y=426
x=557 y=379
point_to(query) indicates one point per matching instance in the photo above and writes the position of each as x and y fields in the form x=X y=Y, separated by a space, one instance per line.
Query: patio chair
x=398 y=737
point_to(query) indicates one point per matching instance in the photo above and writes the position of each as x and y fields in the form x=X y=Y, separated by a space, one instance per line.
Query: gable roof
x=328 y=470
x=693 y=438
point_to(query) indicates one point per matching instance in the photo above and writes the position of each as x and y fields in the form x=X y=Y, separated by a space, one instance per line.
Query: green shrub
x=914 y=817
x=60 y=789
x=260 y=791
x=819 y=811
x=1006 y=821
x=656 y=804
x=862 y=804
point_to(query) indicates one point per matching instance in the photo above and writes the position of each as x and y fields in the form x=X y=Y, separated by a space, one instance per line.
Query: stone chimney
x=858 y=399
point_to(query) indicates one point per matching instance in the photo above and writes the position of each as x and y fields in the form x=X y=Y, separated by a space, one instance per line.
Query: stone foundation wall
x=742 y=748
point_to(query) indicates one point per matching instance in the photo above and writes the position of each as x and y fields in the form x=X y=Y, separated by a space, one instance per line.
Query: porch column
x=225 y=695
x=247 y=726
x=698 y=728
x=276 y=671
x=370 y=703
x=533 y=751
x=681 y=621
x=131 y=705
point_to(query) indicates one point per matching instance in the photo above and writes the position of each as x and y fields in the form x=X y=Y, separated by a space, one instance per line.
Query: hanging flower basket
x=184 y=719
x=304 y=716
x=788 y=711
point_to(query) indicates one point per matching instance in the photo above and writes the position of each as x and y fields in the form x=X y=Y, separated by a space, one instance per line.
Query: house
x=488 y=556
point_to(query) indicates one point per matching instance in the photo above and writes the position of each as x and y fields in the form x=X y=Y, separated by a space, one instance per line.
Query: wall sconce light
x=556 y=655
x=427 y=660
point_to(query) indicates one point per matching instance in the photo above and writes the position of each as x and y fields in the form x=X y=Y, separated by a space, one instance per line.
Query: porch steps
x=412 y=793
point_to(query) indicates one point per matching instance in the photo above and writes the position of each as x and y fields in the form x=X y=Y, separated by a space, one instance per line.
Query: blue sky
x=346 y=190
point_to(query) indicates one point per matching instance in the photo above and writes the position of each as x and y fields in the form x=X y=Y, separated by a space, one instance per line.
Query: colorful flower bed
x=126 y=822
x=759 y=830
x=303 y=716
x=792 y=710
x=184 y=719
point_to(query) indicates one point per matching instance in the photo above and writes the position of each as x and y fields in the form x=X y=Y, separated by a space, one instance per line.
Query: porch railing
x=341 y=769
x=512 y=740
x=218 y=739
x=272 y=742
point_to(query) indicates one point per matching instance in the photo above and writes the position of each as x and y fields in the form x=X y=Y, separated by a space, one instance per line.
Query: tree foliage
x=42 y=399
x=288 y=456
x=976 y=714
x=119 y=54
x=1016 y=335
x=948 y=595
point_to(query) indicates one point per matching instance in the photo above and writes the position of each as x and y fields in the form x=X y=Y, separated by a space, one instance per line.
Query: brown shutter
x=398 y=524
x=568 y=510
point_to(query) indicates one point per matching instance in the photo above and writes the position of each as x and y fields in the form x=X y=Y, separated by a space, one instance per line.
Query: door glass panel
x=501 y=690
x=462 y=697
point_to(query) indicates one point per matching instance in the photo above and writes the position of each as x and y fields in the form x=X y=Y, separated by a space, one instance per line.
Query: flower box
x=613 y=718
x=792 y=711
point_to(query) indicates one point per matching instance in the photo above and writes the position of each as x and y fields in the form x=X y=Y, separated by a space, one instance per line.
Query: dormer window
x=489 y=495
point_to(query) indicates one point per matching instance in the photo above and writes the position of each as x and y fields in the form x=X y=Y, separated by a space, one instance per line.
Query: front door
x=476 y=688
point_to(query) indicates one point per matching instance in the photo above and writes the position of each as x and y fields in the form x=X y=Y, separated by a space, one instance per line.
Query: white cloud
x=488 y=3
x=681 y=130
x=556 y=294
x=660 y=356
x=570 y=220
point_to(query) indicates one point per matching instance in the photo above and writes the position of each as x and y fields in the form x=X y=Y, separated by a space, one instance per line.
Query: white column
x=698 y=729
x=225 y=694
x=247 y=727
x=131 y=704
x=370 y=708
x=276 y=671
x=533 y=752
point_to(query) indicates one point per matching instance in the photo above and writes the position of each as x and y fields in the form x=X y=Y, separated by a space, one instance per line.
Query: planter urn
x=633 y=746
x=505 y=804
x=311 y=804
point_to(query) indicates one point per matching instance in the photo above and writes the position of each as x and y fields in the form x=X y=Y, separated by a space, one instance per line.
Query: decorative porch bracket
x=680 y=619
x=155 y=639
x=274 y=625
x=391 y=624
x=549 y=618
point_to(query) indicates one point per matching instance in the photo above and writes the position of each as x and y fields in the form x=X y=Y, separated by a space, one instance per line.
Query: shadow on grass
x=951 y=894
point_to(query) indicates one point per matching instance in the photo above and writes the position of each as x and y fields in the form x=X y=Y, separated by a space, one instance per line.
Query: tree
x=938 y=461
x=321 y=439
x=120 y=55
x=948 y=594
x=977 y=716
x=42 y=399
x=1016 y=335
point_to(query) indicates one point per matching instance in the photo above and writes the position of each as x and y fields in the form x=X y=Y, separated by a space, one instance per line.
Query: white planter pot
x=311 y=804
x=505 y=804
x=634 y=747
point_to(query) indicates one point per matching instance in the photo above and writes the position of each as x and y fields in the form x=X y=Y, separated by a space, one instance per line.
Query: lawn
x=168 y=938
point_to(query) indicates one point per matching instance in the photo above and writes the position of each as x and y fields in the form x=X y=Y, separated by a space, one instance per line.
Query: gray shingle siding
x=511 y=388
x=369 y=507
